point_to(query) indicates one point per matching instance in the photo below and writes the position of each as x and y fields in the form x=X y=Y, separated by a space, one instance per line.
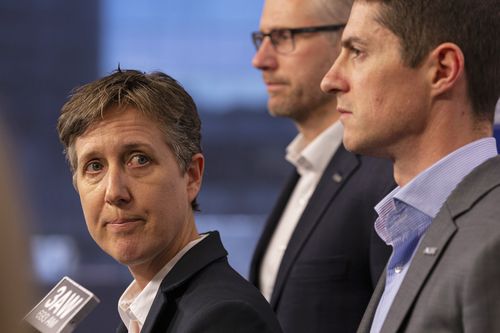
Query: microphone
x=63 y=308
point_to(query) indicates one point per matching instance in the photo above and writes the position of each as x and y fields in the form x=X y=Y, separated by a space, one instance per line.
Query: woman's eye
x=93 y=167
x=139 y=160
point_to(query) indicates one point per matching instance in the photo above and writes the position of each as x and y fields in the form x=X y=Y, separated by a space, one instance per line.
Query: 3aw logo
x=63 y=307
x=63 y=302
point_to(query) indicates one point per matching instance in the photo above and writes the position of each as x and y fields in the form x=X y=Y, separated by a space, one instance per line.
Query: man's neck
x=409 y=162
x=314 y=125
x=450 y=125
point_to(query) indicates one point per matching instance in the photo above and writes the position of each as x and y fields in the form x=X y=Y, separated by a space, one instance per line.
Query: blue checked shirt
x=405 y=214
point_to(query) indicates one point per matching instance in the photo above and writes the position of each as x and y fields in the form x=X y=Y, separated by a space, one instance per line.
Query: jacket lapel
x=366 y=322
x=201 y=255
x=433 y=244
x=158 y=309
x=426 y=256
x=121 y=328
x=341 y=167
x=270 y=226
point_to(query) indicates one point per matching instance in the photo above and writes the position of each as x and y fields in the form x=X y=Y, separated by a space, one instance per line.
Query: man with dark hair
x=417 y=82
x=133 y=143
x=318 y=259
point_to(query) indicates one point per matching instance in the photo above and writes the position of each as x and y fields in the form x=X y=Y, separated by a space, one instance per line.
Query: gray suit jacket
x=453 y=282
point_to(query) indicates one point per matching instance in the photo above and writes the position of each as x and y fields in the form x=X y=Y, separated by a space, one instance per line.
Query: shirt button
x=398 y=269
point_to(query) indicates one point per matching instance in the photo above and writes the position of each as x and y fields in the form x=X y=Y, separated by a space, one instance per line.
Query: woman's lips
x=124 y=224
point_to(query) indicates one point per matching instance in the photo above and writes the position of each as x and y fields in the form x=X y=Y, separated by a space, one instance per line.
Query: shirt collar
x=315 y=155
x=135 y=304
x=427 y=192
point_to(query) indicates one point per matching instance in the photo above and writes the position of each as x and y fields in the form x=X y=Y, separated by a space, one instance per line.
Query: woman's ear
x=195 y=175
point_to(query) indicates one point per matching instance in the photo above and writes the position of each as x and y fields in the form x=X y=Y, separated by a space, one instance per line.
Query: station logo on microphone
x=63 y=308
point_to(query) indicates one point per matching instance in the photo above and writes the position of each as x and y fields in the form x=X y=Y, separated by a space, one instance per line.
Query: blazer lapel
x=199 y=256
x=341 y=167
x=121 y=328
x=426 y=256
x=366 y=322
x=433 y=244
x=157 y=310
x=270 y=226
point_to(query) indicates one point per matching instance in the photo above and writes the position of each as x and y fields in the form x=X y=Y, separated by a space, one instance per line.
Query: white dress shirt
x=134 y=304
x=311 y=161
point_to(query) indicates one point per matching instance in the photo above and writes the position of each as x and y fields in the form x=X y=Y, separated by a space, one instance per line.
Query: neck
x=316 y=123
x=144 y=272
x=443 y=138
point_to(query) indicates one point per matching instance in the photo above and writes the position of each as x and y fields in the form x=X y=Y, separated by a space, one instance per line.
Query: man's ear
x=446 y=67
x=195 y=175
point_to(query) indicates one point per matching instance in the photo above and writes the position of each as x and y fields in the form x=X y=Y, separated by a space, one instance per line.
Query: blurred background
x=49 y=47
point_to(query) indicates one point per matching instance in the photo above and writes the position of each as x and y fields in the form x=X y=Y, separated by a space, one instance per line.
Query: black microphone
x=63 y=308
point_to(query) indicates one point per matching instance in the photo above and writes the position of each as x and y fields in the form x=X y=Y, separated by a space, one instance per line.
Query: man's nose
x=265 y=57
x=335 y=80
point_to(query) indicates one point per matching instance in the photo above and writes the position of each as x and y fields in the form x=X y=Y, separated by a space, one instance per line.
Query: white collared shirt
x=134 y=304
x=311 y=161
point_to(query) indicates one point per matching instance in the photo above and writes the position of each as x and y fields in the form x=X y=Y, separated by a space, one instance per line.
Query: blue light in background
x=205 y=45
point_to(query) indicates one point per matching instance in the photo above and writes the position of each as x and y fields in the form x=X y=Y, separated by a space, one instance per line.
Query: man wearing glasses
x=319 y=258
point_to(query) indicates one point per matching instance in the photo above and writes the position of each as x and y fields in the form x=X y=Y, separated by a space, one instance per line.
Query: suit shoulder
x=233 y=315
x=485 y=210
x=478 y=194
x=221 y=282
x=218 y=292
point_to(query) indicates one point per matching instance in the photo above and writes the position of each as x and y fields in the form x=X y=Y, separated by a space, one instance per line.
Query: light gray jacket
x=453 y=282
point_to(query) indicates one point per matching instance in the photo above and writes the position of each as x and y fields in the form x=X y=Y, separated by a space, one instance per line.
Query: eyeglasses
x=283 y=39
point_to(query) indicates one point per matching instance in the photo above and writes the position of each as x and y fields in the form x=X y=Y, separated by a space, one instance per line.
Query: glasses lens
x=282 y=40
x=257 y=38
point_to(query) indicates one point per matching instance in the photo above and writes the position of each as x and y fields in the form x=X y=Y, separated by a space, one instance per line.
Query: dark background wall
x=49 y=47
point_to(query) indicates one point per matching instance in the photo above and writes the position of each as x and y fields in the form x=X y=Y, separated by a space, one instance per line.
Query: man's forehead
x=289 y=14
x=363 y=23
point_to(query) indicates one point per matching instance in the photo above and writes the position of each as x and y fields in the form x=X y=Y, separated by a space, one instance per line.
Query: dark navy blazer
x=334 y=257
x=202 y=293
